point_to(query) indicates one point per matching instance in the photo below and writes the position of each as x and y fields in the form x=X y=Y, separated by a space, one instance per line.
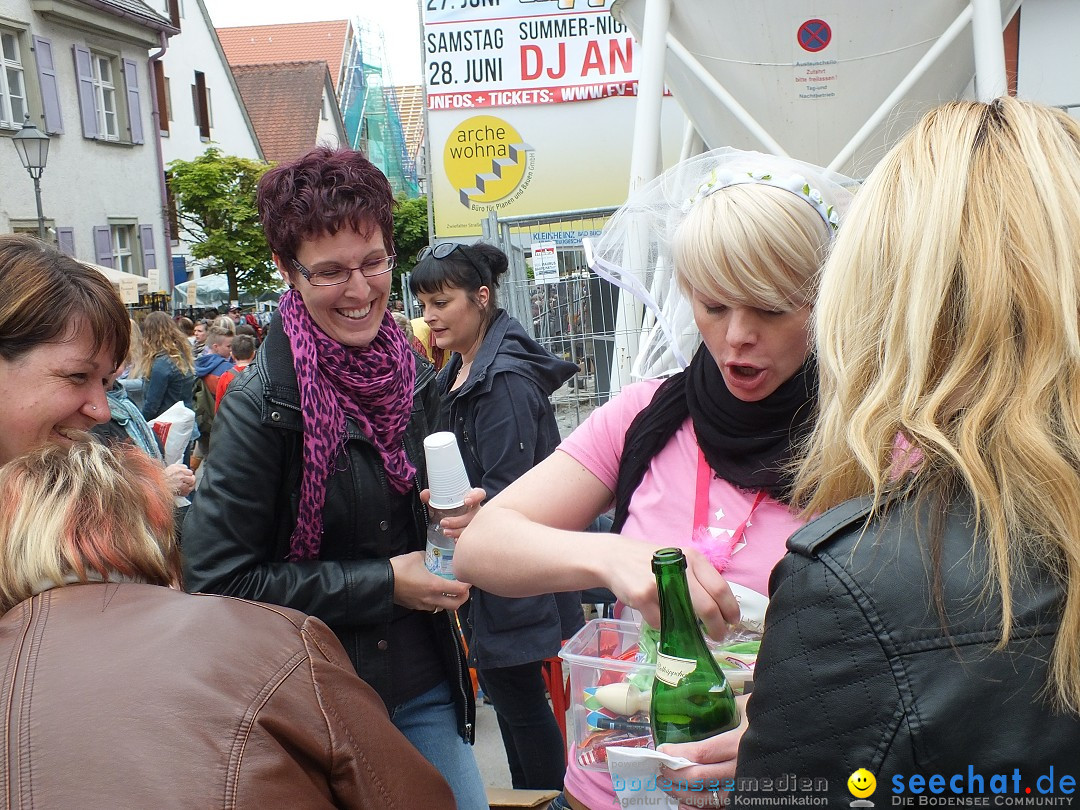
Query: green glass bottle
x=691 y=698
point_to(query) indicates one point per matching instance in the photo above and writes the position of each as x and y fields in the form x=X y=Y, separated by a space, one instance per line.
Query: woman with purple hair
x=312 y=497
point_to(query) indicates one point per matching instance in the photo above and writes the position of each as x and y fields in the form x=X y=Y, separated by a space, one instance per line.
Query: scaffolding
x=370 y=110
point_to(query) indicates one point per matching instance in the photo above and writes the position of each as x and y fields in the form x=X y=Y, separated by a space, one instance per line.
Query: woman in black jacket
x=311 y=497
x=495 y=398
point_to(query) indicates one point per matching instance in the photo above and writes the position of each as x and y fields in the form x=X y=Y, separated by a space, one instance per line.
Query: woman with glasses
x=312 y=497
x=495 y=397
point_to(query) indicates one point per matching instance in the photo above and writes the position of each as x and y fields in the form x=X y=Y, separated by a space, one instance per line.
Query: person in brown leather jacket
x=121 y=690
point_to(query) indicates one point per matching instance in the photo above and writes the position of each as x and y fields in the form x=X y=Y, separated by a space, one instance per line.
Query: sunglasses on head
x=445 y=249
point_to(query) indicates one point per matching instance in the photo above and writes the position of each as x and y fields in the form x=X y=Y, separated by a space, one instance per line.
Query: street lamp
x=33 y=147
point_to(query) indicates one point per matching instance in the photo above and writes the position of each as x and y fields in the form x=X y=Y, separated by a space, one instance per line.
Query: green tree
x=215 y=207
x=410 y=234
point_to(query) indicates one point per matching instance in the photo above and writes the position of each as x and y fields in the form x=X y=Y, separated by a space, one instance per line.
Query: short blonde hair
x=224 y=323
x=752 y=245
x=218 y=334
x=948 y=316
x=87 y=512
x=403 y=323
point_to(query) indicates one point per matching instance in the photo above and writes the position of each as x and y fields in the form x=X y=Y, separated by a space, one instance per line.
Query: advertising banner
x=503 y=134
x=488 y=53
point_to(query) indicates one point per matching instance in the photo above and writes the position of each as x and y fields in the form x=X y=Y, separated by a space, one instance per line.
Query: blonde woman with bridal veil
x=697 y=460
x=927 y=624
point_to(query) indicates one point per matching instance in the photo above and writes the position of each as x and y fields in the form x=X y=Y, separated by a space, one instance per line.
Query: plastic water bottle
x=439 y=556
x=448 y=483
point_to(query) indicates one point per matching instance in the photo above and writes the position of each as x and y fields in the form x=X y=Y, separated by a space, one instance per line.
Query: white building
x=201 y=105
x=83 y=71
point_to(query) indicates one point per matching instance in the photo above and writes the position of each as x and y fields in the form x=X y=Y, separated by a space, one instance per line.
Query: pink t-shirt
x=662 y=511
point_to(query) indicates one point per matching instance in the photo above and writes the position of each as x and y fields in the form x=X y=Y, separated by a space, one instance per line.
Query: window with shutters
x=110 y=93
x=30 y=228
x=12 y=81
x=164 y=102
x=174 y=10
x=105 y=96
x=200 y=101
x=124 y=256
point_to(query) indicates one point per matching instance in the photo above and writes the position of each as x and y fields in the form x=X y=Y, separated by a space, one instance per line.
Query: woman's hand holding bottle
x=627 y=568
x=417 y=588
x=454 y=526
x=717 y=757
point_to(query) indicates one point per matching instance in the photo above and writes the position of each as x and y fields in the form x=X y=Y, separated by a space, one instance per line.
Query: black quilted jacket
x=857 y=671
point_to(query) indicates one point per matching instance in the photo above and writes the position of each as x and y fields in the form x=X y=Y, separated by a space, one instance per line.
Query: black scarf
x=748 y=444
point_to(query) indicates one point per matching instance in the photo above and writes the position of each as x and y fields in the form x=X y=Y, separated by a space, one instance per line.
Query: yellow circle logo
x=485 y=159
x=861 y=783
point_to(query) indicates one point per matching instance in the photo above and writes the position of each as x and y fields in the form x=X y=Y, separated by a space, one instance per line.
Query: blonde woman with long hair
x=928 y=623
x=166 y=363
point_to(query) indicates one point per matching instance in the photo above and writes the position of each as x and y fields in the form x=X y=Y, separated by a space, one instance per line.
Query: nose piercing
x=93 y=407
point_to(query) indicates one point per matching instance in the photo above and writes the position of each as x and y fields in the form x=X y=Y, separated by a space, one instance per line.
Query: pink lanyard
x=701 y=503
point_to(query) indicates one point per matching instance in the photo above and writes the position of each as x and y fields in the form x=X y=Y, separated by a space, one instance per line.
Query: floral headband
x=795 y=183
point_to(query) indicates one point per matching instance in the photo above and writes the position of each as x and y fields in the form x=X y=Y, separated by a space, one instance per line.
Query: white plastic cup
x=447 y=479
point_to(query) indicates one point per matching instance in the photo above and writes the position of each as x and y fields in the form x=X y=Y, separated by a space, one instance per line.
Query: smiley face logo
x=861 y=783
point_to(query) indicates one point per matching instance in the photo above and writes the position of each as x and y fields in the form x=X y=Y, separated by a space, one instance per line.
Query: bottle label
x=672 y=670
x=439 y=561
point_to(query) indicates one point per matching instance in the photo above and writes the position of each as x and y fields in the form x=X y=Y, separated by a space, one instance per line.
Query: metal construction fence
x=574 y=317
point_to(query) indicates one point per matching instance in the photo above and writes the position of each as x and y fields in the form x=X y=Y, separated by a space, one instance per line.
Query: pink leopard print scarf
x=373 y=386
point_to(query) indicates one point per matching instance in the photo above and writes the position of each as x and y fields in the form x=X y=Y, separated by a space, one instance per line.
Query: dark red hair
x=325 y=191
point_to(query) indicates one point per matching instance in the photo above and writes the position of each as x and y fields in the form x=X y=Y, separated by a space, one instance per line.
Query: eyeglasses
x=444 y=249
x=333 y=276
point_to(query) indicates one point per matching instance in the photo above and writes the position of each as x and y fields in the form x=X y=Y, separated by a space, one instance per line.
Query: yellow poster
x=535 y=160
x=530 y=109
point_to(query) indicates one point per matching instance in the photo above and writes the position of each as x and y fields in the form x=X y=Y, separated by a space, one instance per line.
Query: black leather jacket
x=236 y=536
x=856 y=670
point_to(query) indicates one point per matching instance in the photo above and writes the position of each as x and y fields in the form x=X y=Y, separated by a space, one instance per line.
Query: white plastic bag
x=174 y=428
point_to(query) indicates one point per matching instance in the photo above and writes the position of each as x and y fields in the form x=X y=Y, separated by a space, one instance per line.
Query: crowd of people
x=880 y=430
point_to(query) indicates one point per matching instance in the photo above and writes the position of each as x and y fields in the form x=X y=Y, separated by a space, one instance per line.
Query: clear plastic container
x=605 y=652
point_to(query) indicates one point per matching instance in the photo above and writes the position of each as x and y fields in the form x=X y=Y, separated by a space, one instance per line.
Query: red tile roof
x=284 y=101
x=293 y=42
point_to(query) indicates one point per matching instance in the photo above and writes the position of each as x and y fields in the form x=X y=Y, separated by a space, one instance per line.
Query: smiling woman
x=330 y=421
x=63 y=331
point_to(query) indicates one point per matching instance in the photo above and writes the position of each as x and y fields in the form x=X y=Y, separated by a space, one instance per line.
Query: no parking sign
x=814 y=35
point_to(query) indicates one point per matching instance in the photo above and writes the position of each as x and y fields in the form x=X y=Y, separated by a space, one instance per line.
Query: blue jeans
x=429 y=722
